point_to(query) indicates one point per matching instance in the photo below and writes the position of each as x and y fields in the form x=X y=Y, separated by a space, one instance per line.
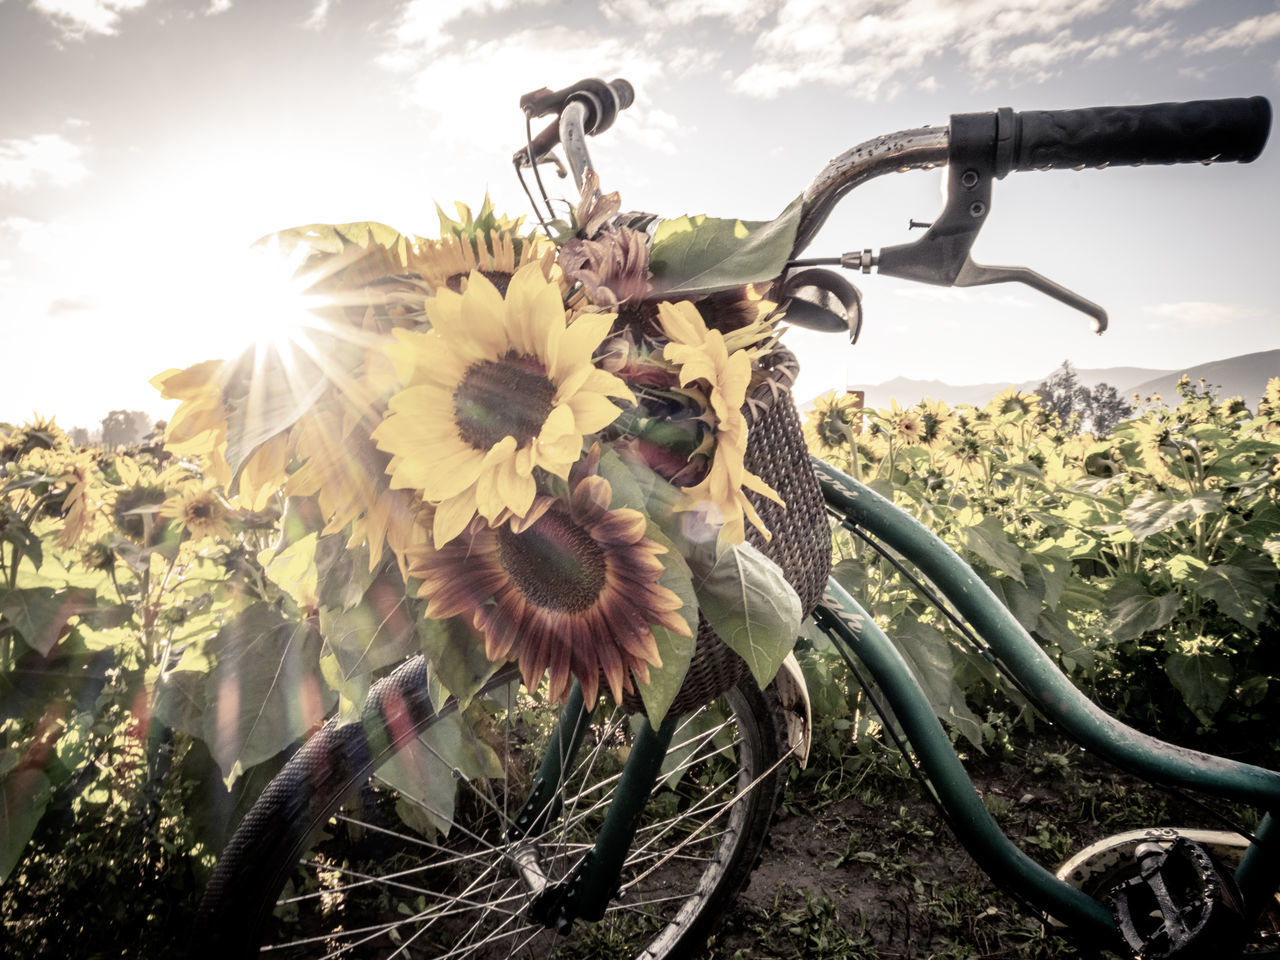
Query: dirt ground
x=874 y=871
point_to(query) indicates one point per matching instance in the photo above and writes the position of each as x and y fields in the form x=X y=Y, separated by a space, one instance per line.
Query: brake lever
x=942 y=255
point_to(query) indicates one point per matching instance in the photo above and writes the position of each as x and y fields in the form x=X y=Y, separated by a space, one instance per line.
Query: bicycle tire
x=238 y=913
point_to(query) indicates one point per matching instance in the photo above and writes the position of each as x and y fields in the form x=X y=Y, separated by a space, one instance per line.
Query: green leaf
x=376 y=633
x=1023 y=601
x=933 y=662
x=990 y=542
x=333 y=238
x=274 y=391
x=675 y=650
x=1153 y=512
x=24 y=794
x=25 y=543
x=850 y=574
x=455 y=653
x=1053 y=573
x=39 y=614
x=1184 y=567
x=1134 y=616
x=265 y=690
x=1237 y=593
x=694 y=255
x=427 y=772
x=1203 y=678
x=749 y=603
x=293 y=570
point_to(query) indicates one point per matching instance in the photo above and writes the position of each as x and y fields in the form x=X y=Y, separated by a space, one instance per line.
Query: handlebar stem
x=922 y=148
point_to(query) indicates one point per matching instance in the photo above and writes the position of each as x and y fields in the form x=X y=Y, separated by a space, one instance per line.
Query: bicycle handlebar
x=977 y=147
x=1231 y=131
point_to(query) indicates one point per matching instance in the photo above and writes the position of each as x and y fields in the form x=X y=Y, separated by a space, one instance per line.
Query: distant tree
x=124 y=427
x=1077 y=407
x=79 y=436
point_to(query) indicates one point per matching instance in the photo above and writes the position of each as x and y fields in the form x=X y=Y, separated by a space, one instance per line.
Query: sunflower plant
x=497 y=446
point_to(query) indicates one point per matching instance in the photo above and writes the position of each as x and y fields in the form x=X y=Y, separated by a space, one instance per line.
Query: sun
x=261 y=300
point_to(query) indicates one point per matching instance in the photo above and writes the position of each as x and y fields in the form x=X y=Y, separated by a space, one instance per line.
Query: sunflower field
x=1144 y=561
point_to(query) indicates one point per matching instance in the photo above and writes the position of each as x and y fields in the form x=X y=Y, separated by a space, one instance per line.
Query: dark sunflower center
x=499 y=398
x=200 y=510
x=499 y=278
x=555 y=563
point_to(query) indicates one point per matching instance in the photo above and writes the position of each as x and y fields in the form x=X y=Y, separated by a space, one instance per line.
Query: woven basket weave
x=801 y=543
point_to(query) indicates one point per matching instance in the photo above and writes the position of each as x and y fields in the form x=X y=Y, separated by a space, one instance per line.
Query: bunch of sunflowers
x=526 y=434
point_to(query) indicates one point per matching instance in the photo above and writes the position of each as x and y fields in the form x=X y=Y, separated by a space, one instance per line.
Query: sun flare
x=263 y=301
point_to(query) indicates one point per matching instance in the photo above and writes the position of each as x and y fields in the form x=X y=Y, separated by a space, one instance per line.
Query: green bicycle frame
x=1258 y=874
x=586 y=892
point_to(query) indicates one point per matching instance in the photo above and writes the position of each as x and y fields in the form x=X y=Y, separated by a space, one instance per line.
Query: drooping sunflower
x=1012 y=401
x=500 y=386
x=701 y=354
x=575 y=592
x=830 y=425
x=613 y=268
x=199 y=510
x=938 y=422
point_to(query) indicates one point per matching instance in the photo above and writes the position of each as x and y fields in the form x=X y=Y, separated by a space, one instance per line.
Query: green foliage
x=696 y=255
x=1145 y=561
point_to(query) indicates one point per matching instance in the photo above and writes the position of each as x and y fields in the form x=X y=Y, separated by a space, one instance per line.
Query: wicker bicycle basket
x=801 y=541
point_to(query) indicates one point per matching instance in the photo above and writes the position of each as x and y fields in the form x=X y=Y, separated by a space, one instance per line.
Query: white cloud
x=47 y=157
x=424 y=23
x=216 y=7
x=441 y=68
x=1196 y=313
x=37 y=237
x=1154 y=8
x=663 y=15
x=75 y=18
x=1129 y=39
x=319 y=16
x=867 y=45
x=1246 y=33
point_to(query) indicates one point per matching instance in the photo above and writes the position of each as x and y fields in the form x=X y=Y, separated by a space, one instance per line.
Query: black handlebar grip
x=1232 y=130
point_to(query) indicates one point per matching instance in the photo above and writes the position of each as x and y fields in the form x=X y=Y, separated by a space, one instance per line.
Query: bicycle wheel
x=333 y=860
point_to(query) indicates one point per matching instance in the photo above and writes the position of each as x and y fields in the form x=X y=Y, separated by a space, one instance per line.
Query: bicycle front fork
x=586 y=891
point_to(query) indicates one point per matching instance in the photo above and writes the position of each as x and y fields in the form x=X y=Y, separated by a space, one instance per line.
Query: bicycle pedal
x=1180 y=906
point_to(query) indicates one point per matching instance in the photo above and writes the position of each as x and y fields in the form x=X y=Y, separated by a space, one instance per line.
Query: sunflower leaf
x=697 y=255
x=676 y=651
x=455 y=653
x=264 y=692
x=24 y=794
x=269 y=393
x=333 y=238
x=753 y=608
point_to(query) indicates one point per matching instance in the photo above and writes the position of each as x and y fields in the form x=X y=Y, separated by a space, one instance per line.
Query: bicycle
x=655 y=830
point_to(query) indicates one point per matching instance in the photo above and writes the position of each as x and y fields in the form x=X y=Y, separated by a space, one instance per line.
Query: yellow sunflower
x=497 y=387
x=488 y=244
x=198 y=510
x=199 y=425
x=575 y=592
x=701 y=354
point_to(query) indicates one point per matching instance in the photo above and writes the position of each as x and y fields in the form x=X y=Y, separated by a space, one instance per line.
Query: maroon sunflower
x=571 y=589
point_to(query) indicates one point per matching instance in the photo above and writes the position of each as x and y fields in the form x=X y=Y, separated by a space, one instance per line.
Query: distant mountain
x=1245 y=376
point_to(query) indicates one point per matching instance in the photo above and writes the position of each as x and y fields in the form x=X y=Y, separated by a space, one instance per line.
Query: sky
x=145 y=144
